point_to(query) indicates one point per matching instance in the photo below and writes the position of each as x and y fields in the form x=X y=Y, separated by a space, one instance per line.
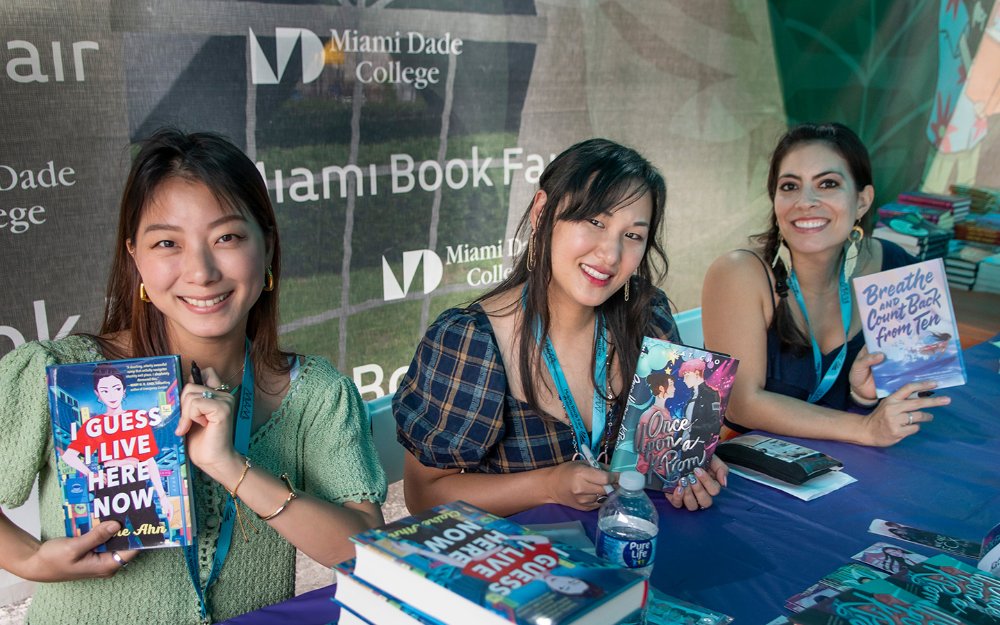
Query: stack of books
x=916 y=235
x=988 y=278
x=984 y=199
x=980 y=229
x=456 y=564
x=962 y=262
x=940 y=218
x=956 y=205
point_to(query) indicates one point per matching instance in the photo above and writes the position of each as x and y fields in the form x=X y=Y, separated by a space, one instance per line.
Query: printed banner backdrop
x=402 y=139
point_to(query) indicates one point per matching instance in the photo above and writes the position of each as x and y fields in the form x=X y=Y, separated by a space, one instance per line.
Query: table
x=758 y=546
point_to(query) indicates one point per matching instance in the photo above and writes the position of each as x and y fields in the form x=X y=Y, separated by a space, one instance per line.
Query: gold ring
x=120 y=560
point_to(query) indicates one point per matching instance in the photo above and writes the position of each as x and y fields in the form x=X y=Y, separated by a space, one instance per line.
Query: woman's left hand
x=207 y=420
x=697 y=489
x=860 y=377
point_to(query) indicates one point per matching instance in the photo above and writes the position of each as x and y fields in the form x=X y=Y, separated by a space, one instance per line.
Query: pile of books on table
x=988 y=278
x=980 y=229
x=951 y=208
x=913 y=233
x=963 y=261
x=983 y=199
x=456 y=565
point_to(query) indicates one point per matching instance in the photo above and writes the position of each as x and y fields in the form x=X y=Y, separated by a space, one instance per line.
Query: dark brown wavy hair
x=844 y=142
x=583 y=182
x=211 y=160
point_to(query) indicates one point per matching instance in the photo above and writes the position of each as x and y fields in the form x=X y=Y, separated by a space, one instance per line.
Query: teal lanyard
x=599 y=414
x=825 y=380
x=244 y=418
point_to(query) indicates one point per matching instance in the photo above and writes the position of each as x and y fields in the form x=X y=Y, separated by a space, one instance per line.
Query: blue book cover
x=117 y=455
x=874 y=603
x=459 y=564
x=955 y=587
x=675 y=408
x=906 y=313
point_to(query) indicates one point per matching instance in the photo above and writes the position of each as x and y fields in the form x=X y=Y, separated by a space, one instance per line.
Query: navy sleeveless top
x=794 y=376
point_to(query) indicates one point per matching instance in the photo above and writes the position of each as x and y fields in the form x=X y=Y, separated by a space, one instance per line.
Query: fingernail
x=680 y=489
x=699 y=471
x=692 y=479
x=925 y=393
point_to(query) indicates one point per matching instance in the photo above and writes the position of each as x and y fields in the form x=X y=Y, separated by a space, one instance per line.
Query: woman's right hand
x=577 y=485
x=899 y=415
x=65 y=559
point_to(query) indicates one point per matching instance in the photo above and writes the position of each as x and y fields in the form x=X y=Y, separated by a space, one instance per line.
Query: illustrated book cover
x=117 y=455
x=906 y=313
x=458 y=564
x=955 y=587
x=368 y=604
x=675 y=409
x=874 y=603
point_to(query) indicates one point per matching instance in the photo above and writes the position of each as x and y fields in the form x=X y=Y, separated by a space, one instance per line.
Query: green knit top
x=319 y=436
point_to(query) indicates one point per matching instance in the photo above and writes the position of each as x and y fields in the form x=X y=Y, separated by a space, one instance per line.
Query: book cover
x=675 y=408
x=369 y=604
x=906 y=313
x=874 y=603
x=957 y=588
x=458 y=564
x=117 y=455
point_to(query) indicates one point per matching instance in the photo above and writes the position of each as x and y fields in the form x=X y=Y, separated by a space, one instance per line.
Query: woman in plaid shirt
x=503 y=395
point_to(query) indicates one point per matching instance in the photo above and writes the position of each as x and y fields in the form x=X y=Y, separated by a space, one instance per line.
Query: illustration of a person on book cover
x=127 y=473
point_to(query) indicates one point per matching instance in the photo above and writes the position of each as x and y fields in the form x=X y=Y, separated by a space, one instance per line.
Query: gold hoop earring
x=531 y=253
x=853 y=250
x=626 y=287
x=142 y=293
x=268 y=279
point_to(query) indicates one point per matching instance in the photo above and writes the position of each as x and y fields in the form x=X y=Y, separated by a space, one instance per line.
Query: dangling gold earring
x=268 y=279
x=531 y=252
x=626 y=287
x=142 y=293
x=853 y=250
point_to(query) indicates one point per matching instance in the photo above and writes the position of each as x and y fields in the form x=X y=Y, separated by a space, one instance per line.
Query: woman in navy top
x=786 y=311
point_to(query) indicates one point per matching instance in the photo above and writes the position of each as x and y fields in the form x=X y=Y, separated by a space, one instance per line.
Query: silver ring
x=909 y=418
x=701 y=507
x=601 y=499
x=120 y=560
x=208 y=394
x=224 y=388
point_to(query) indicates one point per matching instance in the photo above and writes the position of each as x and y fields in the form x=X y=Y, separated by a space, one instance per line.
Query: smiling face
x=816 y=202
x=592 y=258
x=110 y=392
x=202 y=264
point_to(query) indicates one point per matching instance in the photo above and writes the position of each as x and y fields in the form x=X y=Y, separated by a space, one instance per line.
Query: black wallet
x=780 y=459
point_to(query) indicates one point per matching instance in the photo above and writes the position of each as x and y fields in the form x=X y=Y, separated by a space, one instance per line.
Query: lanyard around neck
x=600 y=407
x=244 y=418
x=825 y=380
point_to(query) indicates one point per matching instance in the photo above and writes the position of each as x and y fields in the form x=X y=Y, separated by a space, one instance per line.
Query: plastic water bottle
x=627 y=525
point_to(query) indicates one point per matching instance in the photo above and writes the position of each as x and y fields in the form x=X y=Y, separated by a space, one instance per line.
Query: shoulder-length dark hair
x=586 y=180
x=845 y=143
x=211 y=160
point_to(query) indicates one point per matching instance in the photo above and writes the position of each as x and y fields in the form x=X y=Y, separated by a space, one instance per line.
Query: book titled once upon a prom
x=906 y=313
x=874 y=603
x=675 y=409
x=117 y=455
x=458 y=564
x=955 y=587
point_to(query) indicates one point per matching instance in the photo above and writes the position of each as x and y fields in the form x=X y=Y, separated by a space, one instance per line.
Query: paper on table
x=816 y=487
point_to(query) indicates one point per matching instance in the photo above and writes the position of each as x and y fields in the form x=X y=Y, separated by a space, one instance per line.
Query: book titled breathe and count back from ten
x=906 y=314
x=458 y=564
x=117 y=455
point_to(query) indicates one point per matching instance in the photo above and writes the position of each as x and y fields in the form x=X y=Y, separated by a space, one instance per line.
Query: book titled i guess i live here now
x=458 y=565
x=906 y=313
x=117 y=455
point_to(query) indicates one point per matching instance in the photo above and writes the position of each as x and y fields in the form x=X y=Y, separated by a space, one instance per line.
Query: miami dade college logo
x=433 y=272
x=261 y=72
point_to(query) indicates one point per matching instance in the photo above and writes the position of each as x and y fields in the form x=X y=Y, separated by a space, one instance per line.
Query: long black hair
x=845 y=143
x=586 y=180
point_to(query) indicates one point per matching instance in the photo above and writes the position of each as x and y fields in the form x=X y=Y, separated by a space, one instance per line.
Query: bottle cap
x=631 y=480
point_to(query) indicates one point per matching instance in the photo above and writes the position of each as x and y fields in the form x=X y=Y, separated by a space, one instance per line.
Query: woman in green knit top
x=196 y=272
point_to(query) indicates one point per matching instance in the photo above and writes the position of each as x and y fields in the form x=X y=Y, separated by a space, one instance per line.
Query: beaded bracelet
x=281 y=508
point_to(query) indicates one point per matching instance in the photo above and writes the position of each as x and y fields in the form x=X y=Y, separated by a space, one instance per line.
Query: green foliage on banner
x=868 y=64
